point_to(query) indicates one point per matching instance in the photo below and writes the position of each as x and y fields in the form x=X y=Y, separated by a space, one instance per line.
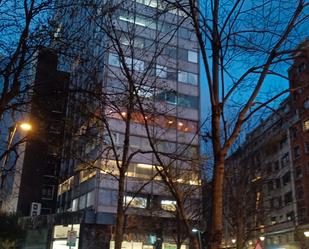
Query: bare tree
x=24 y=30
x=241 y=44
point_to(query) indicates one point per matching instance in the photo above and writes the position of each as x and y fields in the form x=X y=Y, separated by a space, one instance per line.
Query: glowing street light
x=198 y=232
x=233 y=241
x=262 y=238
x=25 y=126
x=306 y=233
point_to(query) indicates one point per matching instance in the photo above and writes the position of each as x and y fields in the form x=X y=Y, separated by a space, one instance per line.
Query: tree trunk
x=216 y=219
x=120 y=212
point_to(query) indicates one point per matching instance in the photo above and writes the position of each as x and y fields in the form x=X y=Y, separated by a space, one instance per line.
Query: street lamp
x=262 y=238
x=195 y=230
x=306 y=233
x=25 y=126
x=233 y=241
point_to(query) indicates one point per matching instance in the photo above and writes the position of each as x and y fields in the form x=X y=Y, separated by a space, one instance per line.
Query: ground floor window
x=141 y=245
x=65 y=237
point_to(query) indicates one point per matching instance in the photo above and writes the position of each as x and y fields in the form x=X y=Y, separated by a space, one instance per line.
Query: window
x=187 y=77
x=296 y=152
x=183 y=77
x=74 y=205
x=285 y=159
x=270 y=186
x=183 y=54
x=192 y=56
x=150 y=3
x=82 y=202
x=278 y=183
x=273 y=220
x=136 y=42
x=136 y=202
x=302 y=214
x=113 y=60
x=168 y=205
x=192 y=78
x=161 y=71
x=135 y=64
x=184 y=33
x=298 y=173
x=290 y=216
x=283 y=142
x=279 y=201
x=144 y=170
x=188 y=101
x=307 y=147
x=301 y=67
x=294 y=132
x=276 y=166
x=286 y=178
x=300 y=193
x=147 y=22
x=272 y=201
x=145 y=91
x=170 y=52
x=181 y=100
x=170 y=97
x=90 y=199
x=288 y=198
x=306 y=125
x=48 y=192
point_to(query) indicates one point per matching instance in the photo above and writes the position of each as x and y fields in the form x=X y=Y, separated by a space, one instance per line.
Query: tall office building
x=136 y=68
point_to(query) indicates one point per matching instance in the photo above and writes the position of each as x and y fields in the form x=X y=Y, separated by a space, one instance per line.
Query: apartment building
x=260 y=178
x=145 y=52
x=268 y=175
x=299 y=80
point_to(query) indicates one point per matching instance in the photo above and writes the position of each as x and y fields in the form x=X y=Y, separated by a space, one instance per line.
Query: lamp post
x=198 y=232
x=25 y=126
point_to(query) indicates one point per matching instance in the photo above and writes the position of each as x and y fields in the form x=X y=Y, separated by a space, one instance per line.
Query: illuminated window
x=168 y=205
x=150 y=3
x=136 y=202
x=306 y=125
x=145 y=91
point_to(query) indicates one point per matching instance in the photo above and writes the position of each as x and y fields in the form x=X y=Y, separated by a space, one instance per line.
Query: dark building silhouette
x=39 y=177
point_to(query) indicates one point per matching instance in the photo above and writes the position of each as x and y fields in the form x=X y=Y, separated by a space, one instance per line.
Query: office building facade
x=146 y=53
